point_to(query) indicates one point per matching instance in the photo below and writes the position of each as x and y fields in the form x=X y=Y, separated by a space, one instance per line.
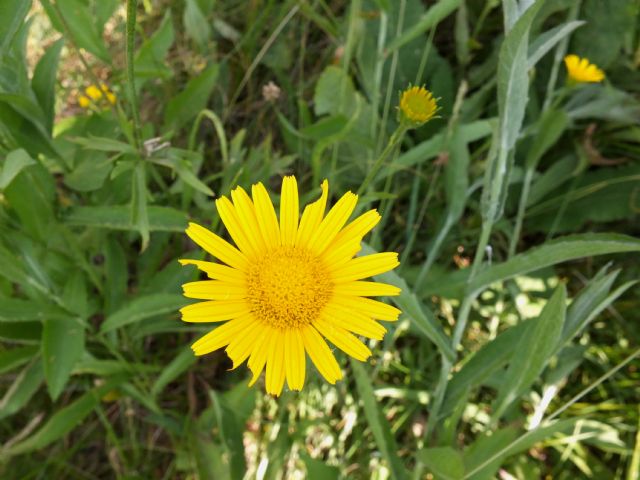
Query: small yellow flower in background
x=94 y=93
x=581 y=71
x=289 y=285
x=84 y=102
x=417 y=106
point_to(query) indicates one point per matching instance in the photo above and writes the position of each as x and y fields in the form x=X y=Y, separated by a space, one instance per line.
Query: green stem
x=393 y=141
x=131 y=32
x=524 y=197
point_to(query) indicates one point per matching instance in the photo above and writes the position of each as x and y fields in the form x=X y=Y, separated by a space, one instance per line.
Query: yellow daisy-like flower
x=84 y=102
x=581 y=71
x=417 y=106
x=289 y=285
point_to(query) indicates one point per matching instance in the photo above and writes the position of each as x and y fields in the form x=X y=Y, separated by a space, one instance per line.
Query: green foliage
x=517 y=349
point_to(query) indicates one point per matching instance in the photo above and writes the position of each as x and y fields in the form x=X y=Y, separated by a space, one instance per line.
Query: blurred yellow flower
x=581 y=71
x=95 y=93
x=289 y=285
x=417 y=106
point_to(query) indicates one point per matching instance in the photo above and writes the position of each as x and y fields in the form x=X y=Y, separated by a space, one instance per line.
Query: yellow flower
x=417 y=106
x=289 y=285
x=581 y=71
x=93 y=92
x=84 y=102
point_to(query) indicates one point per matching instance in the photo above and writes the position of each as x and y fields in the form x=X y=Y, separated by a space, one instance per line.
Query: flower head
x=581 y=71
x=288 y=285
x=417 y=106
x=93 y=94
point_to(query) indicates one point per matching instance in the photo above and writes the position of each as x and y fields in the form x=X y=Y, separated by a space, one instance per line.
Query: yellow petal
x=93 y=92
x=341 y=253
x=217 y=271
x=258 y=356
x=84 y=102
x=214 y=290
x=342 y=339
x=247 y=214
x=241 y=347
x=333 y=222
x=320 y=354
x=353 y=321
x=216 y=246
x=368 y=289
x=289 y=210
x=234 y=226
x=294 y=359
x=222 y=335
x=275 y=364
x=266 y=215
x=367 y=266
x=371 y=308
x=214 y=311
x=312 y=216
x=357 y=229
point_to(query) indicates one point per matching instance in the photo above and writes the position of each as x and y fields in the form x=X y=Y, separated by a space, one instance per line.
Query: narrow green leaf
x=456 y=175
x=192 y=99
x=149 y=61
x=195 y=23
x=117 y=217
x=142 y=308
x=11 y=18
x=176 y=367
x=551 y=126
x=63 y=421
x=139 y=208
x=318 y=469
x=62 y=347
x=484 y=447
x=104 y=144
x=557 y=251
x=421 y=317
x=14 y=163
x=43 y=82
x=534 y=351
x=79 y=21
x=430 y=19
x=545 y=42
x=23 y=387
x=445 y=463
x=14 y=357
x=377 y=422
x=231 y=430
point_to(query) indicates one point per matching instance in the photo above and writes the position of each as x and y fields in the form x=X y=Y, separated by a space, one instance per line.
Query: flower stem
x=395 y=139
x=131 y=31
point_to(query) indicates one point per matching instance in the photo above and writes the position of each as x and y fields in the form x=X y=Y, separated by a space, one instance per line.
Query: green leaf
x=23 y=387
x=334 y=93
x=79 y=21
x=23 y=132
x=319 y=470
x=551 y=126
x=12 y=15
x=118 y=217
x=445 y=463
x=176 y=367
x=63 y=421
x=557 y=251
x=62 y=347
x=90 y=173
x=191 y=100
x=513 y=77
x=16 y=310
x=105 y=144
x=195 y=23
x=480 y=365
x=484 y=447
x=142 y=308
x=14 y=357
x=534 y=352
x=377 y=423
x=430 y=19
x=545 y=42
x=421 y=317
x=14 y=163
x=231 y=430
x=149 y=61
x=456 y=175
x=139 y=209
x=43 y=82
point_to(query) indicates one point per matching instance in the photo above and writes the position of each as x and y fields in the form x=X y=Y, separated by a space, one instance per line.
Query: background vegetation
x=515 y=214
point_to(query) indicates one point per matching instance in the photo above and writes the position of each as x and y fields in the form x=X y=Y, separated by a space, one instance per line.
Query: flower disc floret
x=417 y=106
